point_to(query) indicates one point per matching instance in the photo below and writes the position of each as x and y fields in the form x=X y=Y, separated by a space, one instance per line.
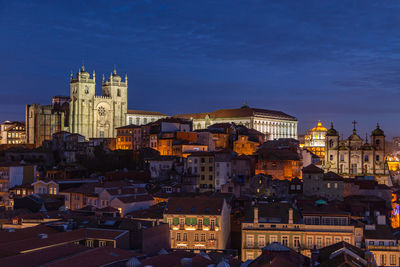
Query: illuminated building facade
x=314 y=141
x=198 y=223
x=141 y=117
x=279 y=222
x=12 y=132
x=275 y=124
x=42 y=121
x=96 y=116
x=354 y=156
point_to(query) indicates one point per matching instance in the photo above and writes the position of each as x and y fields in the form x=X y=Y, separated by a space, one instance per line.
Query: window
x=309 y=242
x=178 y=236
x=89 y=243
x=250 y=241
x=203 y=237
x=328 y=241
x=319 y=242
x=377 y=142
x=261 y=241
x=392 y=259
x=284 y=240
x=273 y=238
x=346 y=239
x=341 y=157
x=196 y=237
x=329 y=185
x=381 y=243
x=212 y=236
x=210 y=177
x=377 y=157
x=383 y=259
x=200 y=223
x=102 y=243
x=184 y=236
x=366 y=158
x=101 y=134
x=212 y=224
x=331 y=157
x=296 y=241
x=370 y=242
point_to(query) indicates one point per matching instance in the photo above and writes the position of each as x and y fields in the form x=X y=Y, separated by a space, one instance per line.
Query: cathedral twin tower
x=97 y=116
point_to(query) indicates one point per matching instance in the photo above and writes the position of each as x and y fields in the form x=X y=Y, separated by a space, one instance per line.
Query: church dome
x=332 y=131
x=83 y=73
x=378 y=131
x=319 y=128
x=115 y=77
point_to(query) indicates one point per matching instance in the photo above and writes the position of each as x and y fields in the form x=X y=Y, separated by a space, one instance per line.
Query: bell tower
x=117 y=90
x=82 y=92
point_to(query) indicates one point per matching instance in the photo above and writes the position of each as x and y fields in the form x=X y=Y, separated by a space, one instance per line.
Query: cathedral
x=354 y=156
x=96 y=116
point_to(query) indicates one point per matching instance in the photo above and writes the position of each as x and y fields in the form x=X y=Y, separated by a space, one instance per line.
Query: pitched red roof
x=194 y=205
x=238 y=112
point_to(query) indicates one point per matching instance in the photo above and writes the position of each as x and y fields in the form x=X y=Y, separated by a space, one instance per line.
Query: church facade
x=96 y=116
x=354 y=156
x=275 y=124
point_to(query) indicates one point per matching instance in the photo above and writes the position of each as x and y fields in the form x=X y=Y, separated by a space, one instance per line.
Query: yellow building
x=279 y=222
x=198 y=223
x=393 y=163
x=314 y=141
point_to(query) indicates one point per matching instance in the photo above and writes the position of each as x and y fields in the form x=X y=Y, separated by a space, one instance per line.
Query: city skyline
x=315 y=61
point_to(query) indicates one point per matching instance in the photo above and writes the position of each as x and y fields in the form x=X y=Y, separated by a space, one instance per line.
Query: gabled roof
x=312 y=169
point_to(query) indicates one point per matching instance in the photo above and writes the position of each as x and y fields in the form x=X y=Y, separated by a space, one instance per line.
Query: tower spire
x=354 y=128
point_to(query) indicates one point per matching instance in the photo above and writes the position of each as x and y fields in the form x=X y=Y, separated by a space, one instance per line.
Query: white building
x=97 y=116
x=140 y=117
x=275 y=124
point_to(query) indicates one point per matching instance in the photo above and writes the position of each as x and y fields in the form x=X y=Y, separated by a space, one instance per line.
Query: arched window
x=331 y=143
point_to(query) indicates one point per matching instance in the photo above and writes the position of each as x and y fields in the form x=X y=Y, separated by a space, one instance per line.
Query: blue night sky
x=330 y=60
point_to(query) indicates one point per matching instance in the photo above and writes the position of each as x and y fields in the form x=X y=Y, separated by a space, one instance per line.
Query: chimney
x=290 y=216
x=255 y=215
x=381 y=220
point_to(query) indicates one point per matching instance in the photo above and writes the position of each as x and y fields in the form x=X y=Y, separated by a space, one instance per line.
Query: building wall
x=141 y=119
x=308 y=236
x=274 y=128
x=97 y=116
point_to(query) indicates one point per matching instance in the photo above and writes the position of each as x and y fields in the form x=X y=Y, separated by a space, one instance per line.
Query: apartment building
x=198 y=223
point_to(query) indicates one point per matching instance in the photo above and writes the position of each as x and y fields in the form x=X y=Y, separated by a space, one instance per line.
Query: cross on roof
x=354 y=123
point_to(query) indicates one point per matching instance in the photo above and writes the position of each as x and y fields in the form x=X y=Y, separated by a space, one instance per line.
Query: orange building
x=165 y=144
x=244 y=146
x=281 y=164
x=125 y=137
